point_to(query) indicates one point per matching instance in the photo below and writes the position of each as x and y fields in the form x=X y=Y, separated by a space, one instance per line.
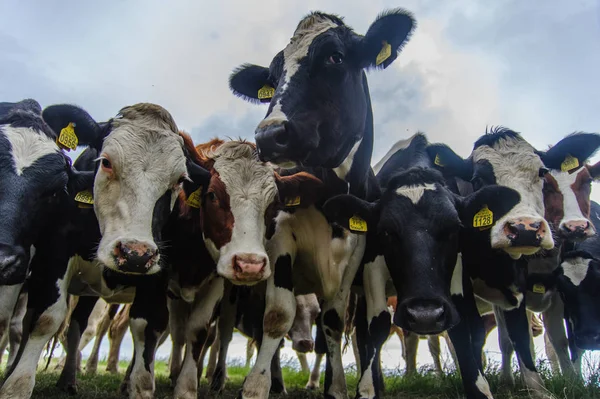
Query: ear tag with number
x=266 y=93
x=569 y=163
x=67 y=138
x=357 y=224
x=195 y=199
x=484 y=218
x=85 y=199
x=437 y=161
x=384 y=54
x=292 y=201
x=539 y=289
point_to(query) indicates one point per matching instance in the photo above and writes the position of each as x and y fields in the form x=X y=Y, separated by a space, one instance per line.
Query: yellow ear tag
x=67 y=138
x=483 y=218
x=266 y=93
x=569 y=163
x=539 y=289
x=195 y=199
x=357 y=224
x=384 y=54
x=437 y=161
x=85 y=199
x=292 y=201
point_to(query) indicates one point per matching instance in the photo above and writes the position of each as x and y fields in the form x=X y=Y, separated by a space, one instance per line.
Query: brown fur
x=274 y=323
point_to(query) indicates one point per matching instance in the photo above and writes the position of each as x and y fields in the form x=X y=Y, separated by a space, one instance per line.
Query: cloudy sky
x=531 y=66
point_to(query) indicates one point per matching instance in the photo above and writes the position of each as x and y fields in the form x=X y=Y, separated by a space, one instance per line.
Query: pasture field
x=426 y=385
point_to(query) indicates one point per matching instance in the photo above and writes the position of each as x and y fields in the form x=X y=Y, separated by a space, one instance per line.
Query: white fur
x=400 y=145
x=344 y=168
x=571 y=209
x=576 y=269
x=147 y=159
x=483 y=386
x=456 y=284
x=516 y=165
x=141 y=381
x=276 y=116
x=414 y=193
x=28 y=146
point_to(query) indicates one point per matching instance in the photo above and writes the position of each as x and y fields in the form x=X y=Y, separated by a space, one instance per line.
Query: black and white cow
x=319 y=119
x=142 y=169
x=414 y=238
x=492 y=266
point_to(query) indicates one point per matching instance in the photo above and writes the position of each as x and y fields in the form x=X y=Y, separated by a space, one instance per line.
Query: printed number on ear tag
x=437 y=161
x=384 y=54
x=539 y=289
x=195 y=199
x=85 y=199
x=67 y=138
x=483 y=218
x=357 y=224
x=569 y=163
x=266 y=93
x=292 y=201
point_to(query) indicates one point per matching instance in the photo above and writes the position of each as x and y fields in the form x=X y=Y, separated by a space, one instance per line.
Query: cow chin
x=250 y=275
x=517 y=252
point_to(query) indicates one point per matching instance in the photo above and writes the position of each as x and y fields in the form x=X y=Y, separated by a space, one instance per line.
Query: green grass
x=424 y=385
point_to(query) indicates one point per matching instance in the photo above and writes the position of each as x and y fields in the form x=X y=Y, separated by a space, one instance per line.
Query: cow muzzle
x=135 y=256
x=524 y=236
x=272 y=141
x=13 y=264
x=423 y=316
x=576 y=229
x=249 y=268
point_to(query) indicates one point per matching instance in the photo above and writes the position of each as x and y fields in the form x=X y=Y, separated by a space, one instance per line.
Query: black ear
x=246 y=80
x=80 y=181
x=25 y=105
x=449 y=163
x=341 y=208
x=386 y=37
x=88 y=132
x=580 y=146
x=199 y=177
x=498 y=199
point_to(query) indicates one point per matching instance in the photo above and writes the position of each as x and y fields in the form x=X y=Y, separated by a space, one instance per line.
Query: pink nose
x=577 y=228
x=249 y=267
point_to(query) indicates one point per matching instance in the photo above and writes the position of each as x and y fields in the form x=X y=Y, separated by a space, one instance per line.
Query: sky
x=531 y=66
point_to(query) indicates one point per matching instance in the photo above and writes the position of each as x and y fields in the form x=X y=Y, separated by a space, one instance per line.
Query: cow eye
x=335 y=59
x=477 y=183
x=106 y=165
x=542 y=172
x=181 y=179
x=212 y=196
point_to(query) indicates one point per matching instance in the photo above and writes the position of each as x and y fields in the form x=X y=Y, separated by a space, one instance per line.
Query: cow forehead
x=28 y=146
x=510 y=159
x=415 y=192
x=246 y=179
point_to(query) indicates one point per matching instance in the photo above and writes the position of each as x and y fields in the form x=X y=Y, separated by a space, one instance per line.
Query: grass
x=422 y=386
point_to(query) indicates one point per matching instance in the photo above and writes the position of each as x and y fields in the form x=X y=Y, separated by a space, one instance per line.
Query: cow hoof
x=277 y=386
x=217 y=381
x=256 y=386
x=312 y=386
x=68 y=387
x=124 y=388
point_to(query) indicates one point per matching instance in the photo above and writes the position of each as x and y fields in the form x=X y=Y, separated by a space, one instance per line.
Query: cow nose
x=424 y=316
x=13 y=264
x=135 y=256
x=574 y=229
x=303 y=345
x=272 y=141
x=249 y=267
x=525 y=232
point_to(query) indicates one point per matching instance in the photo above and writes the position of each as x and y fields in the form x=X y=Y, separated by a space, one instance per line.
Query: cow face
x=416 y=225
x=36 y=179
x=579 y=284
x=307 y=310
x=567 y=185
x=142 y=168
x=239 y=205
x=319 y=97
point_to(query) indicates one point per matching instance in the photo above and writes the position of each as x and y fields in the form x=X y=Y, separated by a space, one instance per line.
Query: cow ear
x=298 y=190
x=386 y=37
x=341 y=208
x=80 y=181
x=493 y=201
x=594 y=170
x=247 y=80
x=449 y=163
x=571 y=152
x=87 y=130
x=198 y=178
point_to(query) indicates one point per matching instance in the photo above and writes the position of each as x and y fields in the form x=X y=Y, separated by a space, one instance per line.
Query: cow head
x=567 y=185
x=142 y=169
x=502 y=157
x=317 y=90
x=415 y=225
x=579 y=284
x=239 y=203
x=36 y=179
x=307 y=310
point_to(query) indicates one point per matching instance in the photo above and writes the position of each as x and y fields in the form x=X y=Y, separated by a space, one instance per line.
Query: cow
x=136 y=167
x=491 y=265
x=414 y=238
x=319 y=119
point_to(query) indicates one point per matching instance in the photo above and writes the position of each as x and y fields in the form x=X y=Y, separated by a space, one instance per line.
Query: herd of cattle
x=269 y=237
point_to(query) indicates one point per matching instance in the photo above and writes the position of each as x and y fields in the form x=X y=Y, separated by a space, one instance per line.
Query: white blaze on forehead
x=576 y=269
x=414 y=193
x=565 y=181
x=28 y=146
x=400 y=145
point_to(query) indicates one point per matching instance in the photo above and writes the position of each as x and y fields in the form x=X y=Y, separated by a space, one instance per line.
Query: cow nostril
x=512 y=229
x=280 y=136
x=536 y=225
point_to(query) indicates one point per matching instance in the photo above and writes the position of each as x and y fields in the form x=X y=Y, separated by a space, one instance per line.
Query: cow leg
x=9 y=296
x=249 y=351
x=453 y=352
x=179 y=313
x=554 y=325
x=225 y=328
x=148 y=320
x=506 y=348
x=320 y=350
x=15 y=331
x=411 y=342
x=211 y=339
x=91 y=366
x=356 y=352
x=77 y=325
x=518 y=331
x=551 y=355
x=116 y=332
x=433 y=342
x=201 y=316
x=303 y=362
